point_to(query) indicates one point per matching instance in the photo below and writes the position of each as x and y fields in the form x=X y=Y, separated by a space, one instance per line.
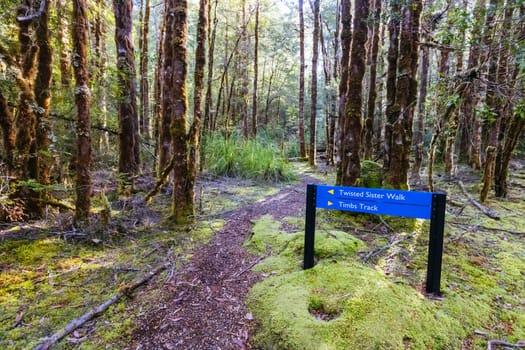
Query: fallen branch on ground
x=97 y=311
x=519 y=344
x=380 y=250
x=478 y=205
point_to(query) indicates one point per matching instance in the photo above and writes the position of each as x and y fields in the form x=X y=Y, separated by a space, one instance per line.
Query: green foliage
x=248 y=159
x=371 y=174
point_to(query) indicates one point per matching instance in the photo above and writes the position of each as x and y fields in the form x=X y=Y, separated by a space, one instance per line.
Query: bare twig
x=97 y=311
x=478 y=205
x=380 y=250
x=249 y=267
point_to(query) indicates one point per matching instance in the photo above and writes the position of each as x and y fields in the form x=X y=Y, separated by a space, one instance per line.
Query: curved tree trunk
x=82 y=100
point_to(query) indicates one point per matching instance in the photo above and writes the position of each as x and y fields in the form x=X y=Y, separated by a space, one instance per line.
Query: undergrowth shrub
x=249 y=159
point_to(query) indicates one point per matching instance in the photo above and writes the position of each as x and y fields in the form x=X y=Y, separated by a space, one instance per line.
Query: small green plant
x=249 y=159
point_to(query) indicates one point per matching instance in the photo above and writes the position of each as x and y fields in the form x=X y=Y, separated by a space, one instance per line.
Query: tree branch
x=33 y=15
x=97 y=311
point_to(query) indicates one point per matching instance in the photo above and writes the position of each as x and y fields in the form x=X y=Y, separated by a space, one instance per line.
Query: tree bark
x=346 y=41
x=8 y=132
x=174 y=106
x=144 y=81
x=43 y=98
x=313 y=86
x=351 y=145
x=127 y=105
x=255 y=70
x=82 y=100
x=401 y=113
x=198 y=86
x=391 y=74
x=491 y=101
x=64 y=44
x=372 y=91
x=302 y=145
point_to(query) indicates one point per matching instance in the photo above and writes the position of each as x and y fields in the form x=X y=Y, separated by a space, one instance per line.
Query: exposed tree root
x=97 y=311
x=478 y=205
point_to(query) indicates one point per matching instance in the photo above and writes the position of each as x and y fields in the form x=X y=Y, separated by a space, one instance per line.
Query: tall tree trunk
x=351 y=145
x=243 y=67
x=372 y=91
x=402 y=111
x=43 y=98
x=82 y=100
x=346 y=41
x=163 y=120
x=392 y=110
x=469 y=123
x=64 y=44
x=208 y=114
x=302 y=145
x=255 y=70
x=127 y=105
x=7 y=124
x=144 y=82
x=313 y=85
x=491 y=101
x=502 y=103
x=198 y=86
x=419 y=129
x=175 y=105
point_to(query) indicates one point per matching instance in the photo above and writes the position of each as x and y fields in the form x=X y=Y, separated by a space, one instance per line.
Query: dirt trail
x=205 y=306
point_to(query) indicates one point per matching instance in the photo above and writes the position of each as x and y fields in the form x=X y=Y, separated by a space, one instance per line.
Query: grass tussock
x=247 y=159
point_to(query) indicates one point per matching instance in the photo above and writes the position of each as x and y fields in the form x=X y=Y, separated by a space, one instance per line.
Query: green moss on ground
x=344 y=304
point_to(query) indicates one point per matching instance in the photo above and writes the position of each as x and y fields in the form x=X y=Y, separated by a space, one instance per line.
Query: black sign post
x=424 y=205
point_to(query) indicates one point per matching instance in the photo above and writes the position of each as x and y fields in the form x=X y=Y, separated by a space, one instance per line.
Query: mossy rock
x=371 y=174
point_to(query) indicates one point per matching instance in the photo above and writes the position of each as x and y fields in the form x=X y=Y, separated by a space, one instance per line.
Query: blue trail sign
x=375 y=201
x=423 y=205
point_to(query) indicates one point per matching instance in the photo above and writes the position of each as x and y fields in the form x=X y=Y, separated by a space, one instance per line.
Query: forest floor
x=230 y=281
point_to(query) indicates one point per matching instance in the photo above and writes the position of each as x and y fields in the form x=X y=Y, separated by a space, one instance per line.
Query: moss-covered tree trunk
x=512 y=122
x=302 y=144
x=391 y=75
x=127 y=104
x=174 y=105
x=82 y=100
x=144 y=61
x=368 y=132
x=313 y=85
x=8 y=133
x=64 y=44
x=351 y=144
x=43 y=98
x=346 y=41
x=401 y=113
x=198 y=87
x=255 y=70
x=493 y=116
